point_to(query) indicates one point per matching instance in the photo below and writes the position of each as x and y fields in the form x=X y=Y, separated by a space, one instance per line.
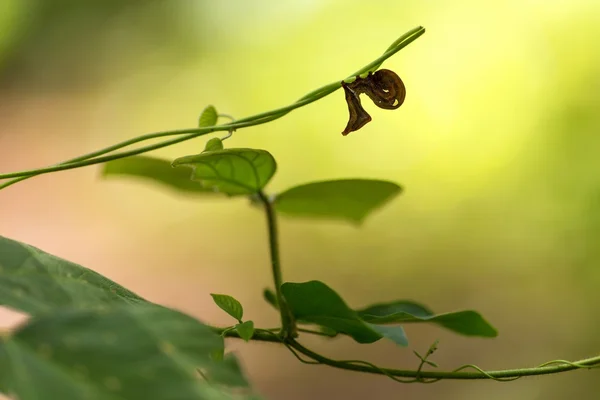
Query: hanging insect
x=383 y=87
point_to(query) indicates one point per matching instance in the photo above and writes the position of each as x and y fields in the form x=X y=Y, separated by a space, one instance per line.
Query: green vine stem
x=550 y=367
x=100 y=156
x=288 y=328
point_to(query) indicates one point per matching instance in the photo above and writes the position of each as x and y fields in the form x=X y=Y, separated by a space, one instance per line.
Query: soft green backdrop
x=496 y=145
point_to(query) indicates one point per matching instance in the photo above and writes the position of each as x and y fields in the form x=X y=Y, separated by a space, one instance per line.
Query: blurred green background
x=496 y=145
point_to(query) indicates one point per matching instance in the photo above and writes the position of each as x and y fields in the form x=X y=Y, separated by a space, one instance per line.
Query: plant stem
x=187 y=134
x=288 y=328
x=551 y=367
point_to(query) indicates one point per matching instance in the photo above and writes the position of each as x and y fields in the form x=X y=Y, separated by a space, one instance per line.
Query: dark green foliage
x=34 y=282
x=315 y=303
x=468 y=322
x=120 y=352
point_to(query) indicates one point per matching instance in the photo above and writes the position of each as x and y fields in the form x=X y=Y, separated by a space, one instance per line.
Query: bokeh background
x=496 y=145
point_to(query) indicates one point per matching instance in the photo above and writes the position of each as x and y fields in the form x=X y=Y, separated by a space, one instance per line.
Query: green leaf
x=122 y=352
x=314 y=302
x=230 y=305
x=34 y=282
x=349 y=200
x=469 y=323
x=208 y=117
x=213 y=144
x=231 y=171
x=394 y=333
x=153 y=170
x=245 y=330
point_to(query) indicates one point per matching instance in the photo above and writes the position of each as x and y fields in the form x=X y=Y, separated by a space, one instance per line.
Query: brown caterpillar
x=383 y=87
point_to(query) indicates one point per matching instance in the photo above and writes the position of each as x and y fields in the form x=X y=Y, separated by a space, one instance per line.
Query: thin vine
x=99 y=156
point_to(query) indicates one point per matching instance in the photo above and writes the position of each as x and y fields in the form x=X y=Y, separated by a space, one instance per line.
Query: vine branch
x=550 y=367
x=99 y=156
x=288 y=328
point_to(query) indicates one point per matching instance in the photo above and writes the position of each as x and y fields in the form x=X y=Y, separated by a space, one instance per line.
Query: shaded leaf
x=213 y=144
x=316 y=303
x=122 y=352
x=231 y=171
x=34 y=281
x=230 y=305
x=246 y=330
x=153 y=170
x=350 y=200
x=394 y=333
x=208 y=117
x=229 y=372
x=469 y=323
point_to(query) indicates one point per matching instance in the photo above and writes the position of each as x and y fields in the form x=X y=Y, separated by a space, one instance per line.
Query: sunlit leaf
x=208 y=117
x=34 y=281
x=245 y=330
x=122 y=352
x=231 y=171
x=213 y=144
x=350 y=200
x=228 y=304
x=468 y=322
x=153 y=170
x=314 y=302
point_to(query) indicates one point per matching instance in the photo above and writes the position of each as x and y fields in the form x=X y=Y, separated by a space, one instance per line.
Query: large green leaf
x=153 y=170
x=34 y=281
x=316 y=303
x=122 y=352
x=348 y=199
x=231 y=171
x=467 y=322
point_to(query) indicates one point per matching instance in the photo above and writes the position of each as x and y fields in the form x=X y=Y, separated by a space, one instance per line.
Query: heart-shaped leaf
x=34 y=281
x=230 y=305
x=467 y=322
x=208 y=117
x=153 y=170
x=316 y=303
x=121 y=352
x=245 y=330
x=349 y=200
x=231 y=171
x=214 y=144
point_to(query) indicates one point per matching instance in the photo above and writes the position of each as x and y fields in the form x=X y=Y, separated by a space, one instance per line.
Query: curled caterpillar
x=383 y=87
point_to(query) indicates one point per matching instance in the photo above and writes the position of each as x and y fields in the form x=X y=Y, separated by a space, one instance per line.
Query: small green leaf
x=349 y=200
x=213 y=144
x=245 y=330
x=122 y=352
x=231 y=171
x=314 y=302
x=230 y=305
x=153 y=170
x=35 y=282
x=208 y=117
x=469 y=323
